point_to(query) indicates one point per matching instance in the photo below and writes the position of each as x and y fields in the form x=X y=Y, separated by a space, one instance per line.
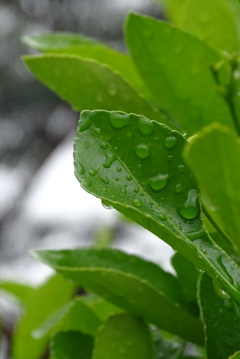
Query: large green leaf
x=214 y=156
x=136 y=166
x=59 y=43
x=44 y=301
x=86 y=84
x=222 y=32
x=176 y=67
x=128 y=282
x=235 y=356
x=71 y=345
x=123 y=336
x=221 y=318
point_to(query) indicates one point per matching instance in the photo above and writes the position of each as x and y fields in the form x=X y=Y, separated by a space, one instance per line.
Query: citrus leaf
x=88 y=84
x=197 y=18
x=56 y=288
x=221 y=317
x=18 y=290
x=129 y=282
x=184 y=84
x=214 y=158
x=235 y=356
x=71 y=344
x=123 y=336
x=136 y=166
x=101 y=307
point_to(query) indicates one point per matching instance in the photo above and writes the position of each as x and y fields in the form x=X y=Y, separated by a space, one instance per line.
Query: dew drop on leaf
x=170 y=142
x=92 y=172
x=112 y=89
x=142 y=150
x=116 y=179
x=104 y=145
x=158 y=182
x=106 y=205
x=105 y=180
x=190 y=209
x=219 y=290
x=80 y=168
x=119 y=169
x=110 y=158
x=128 y=177
x=145 y=126
x=137 y=202
x=162 y=216
x=119 y=119
x=181 y=168
x=178 y=188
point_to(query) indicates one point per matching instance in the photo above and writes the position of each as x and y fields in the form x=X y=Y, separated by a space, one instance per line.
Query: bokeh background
x=41 y=203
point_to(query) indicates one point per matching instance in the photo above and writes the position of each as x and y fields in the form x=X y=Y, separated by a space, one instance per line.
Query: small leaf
x=57 y=40
x=221 y=318
x=184 y=84
x=88 y=84
x=18 y=290
x=56 y=288
x=123 y=336
x=129 y=282
x=222 y=33
x=139 y=170
x=214 y=156
x=71 y=345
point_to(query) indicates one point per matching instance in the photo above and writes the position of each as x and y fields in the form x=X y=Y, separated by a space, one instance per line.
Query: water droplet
x=105 y=180
x=112 y=89
x=139 y=166
x=110 y=158
x=136 y=189
x=145 y=126
x=162 y=216
x=178 y=188
x=106 y=204
x=137 y=202
x=97 y=131
x=104 y=145
x=119 y=169
x=190 y=209
x=181 y=168
x=128 y=177
x=170 y=157
x=80 y=168
x=219 y=290
x=92 y=172
x=115 y=149
x=119 y=119
x=117 y=179
x=86 y=120
x=142 y=150
x=156 y=139
x=170 y=142
x=158 y=182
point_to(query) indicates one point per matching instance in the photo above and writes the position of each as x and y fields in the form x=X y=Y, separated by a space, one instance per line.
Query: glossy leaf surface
x=128 y=282
x=56 y=288
x=87 y=84
x=71 y=345
x=221 y=318
x=222 y=33
x=214 y=158
x=123 y=336
x=136 y=166
x=184 y=84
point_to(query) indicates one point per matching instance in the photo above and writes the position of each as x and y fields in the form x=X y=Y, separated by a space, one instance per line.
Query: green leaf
x=235 y=356
x=71 y=345
x=214 y=156
x=218 y=28
x=136 y=166
x=101 y=307
x=123 y=279
x=123 y=336
x=57 y=40
x=184 y=84
x=187 y=276
x=221 y=318
x=58 y=43
x=44 y=301
x=87 y=84
x=18 y=290
x=170 y=348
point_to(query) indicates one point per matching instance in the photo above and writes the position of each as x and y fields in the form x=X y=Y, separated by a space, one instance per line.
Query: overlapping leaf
x=130 y=283
x=123 y=336
x=176 y=68
x=221 y=318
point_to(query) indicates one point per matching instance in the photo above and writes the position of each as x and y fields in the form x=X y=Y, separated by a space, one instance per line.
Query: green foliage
x=133 y=150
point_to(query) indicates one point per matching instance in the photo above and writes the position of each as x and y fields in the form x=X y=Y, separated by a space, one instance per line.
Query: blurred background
x=41 y=203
